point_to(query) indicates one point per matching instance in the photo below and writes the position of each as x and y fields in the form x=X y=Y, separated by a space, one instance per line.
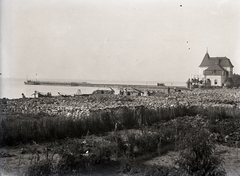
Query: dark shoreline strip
x=85 y=84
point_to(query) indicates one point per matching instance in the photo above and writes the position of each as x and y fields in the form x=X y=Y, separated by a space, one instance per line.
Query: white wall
x=220 y=80
x=200 y=70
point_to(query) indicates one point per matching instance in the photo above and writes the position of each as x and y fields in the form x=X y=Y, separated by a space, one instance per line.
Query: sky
x=116 y=40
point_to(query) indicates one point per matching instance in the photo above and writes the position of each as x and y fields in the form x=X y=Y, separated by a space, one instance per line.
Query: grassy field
x=87 y=134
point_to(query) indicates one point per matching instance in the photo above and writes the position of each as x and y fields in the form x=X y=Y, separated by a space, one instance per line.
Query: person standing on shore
x=168 y=90
x=23 y=96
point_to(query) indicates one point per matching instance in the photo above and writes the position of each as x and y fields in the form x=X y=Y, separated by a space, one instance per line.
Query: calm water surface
x=13 y=88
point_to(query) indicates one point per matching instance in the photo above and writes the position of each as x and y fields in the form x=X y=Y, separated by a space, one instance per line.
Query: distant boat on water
x=30 y=82
x=63 y=95
x=40 y=94
x=160 y=84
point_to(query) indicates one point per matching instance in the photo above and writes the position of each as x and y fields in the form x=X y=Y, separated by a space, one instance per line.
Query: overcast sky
x=123 y=40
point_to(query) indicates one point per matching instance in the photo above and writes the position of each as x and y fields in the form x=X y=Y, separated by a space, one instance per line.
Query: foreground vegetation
x=101 y=135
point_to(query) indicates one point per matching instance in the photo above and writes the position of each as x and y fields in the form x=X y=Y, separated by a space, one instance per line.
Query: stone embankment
x=77 y=107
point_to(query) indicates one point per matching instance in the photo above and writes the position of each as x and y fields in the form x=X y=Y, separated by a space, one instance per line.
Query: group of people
x=34 y=94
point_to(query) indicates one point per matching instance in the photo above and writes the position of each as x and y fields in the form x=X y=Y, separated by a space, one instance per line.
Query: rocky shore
x=80 y=106
x=135 y=124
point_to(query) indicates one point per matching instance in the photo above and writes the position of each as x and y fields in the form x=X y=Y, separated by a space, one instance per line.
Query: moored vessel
x=30 y=82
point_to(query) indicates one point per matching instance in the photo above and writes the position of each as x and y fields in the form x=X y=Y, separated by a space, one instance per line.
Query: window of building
x=215 y=81
x=227 y=74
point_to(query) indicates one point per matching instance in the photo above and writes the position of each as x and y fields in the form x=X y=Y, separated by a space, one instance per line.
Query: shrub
x=197 y=155
x=79 y=155
x=44 y=167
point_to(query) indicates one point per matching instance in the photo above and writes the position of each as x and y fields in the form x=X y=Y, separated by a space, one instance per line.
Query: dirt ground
x=231 y=157
x=16 y=160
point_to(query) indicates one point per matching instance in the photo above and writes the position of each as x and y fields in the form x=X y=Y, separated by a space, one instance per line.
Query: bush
x=197 y=155
x=82 y=155
x=41 y=168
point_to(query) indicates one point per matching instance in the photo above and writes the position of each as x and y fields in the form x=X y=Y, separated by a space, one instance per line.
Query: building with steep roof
x=216 y=69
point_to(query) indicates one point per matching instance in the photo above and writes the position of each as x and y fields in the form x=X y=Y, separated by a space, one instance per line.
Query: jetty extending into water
x=55 y=83
x=87 y=84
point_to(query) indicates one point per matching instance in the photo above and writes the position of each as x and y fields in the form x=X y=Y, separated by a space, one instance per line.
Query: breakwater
x=55 y=83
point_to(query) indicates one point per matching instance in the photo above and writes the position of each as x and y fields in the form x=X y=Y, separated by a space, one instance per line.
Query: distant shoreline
x=86 y=84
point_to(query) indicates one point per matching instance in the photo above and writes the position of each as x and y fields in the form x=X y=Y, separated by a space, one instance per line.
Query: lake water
x=13 y=88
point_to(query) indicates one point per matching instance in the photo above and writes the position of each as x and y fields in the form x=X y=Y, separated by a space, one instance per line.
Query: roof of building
x=215 y=67
x=205 y=61
x=209 y=61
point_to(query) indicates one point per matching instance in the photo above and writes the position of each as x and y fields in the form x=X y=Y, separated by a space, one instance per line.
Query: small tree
x=197 y=154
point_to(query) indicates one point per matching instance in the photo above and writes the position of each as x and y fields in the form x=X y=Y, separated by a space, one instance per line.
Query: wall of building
x=230 y=71
x=220 y=80
x=200 y=71
x=216 y=72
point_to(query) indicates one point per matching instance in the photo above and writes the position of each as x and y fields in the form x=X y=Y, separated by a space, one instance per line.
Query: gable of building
x=215 y=69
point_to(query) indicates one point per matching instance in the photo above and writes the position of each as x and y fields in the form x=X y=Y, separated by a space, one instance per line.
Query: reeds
x=16 y=128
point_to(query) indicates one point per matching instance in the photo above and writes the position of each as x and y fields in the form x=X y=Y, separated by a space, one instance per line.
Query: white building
x=216 y=69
